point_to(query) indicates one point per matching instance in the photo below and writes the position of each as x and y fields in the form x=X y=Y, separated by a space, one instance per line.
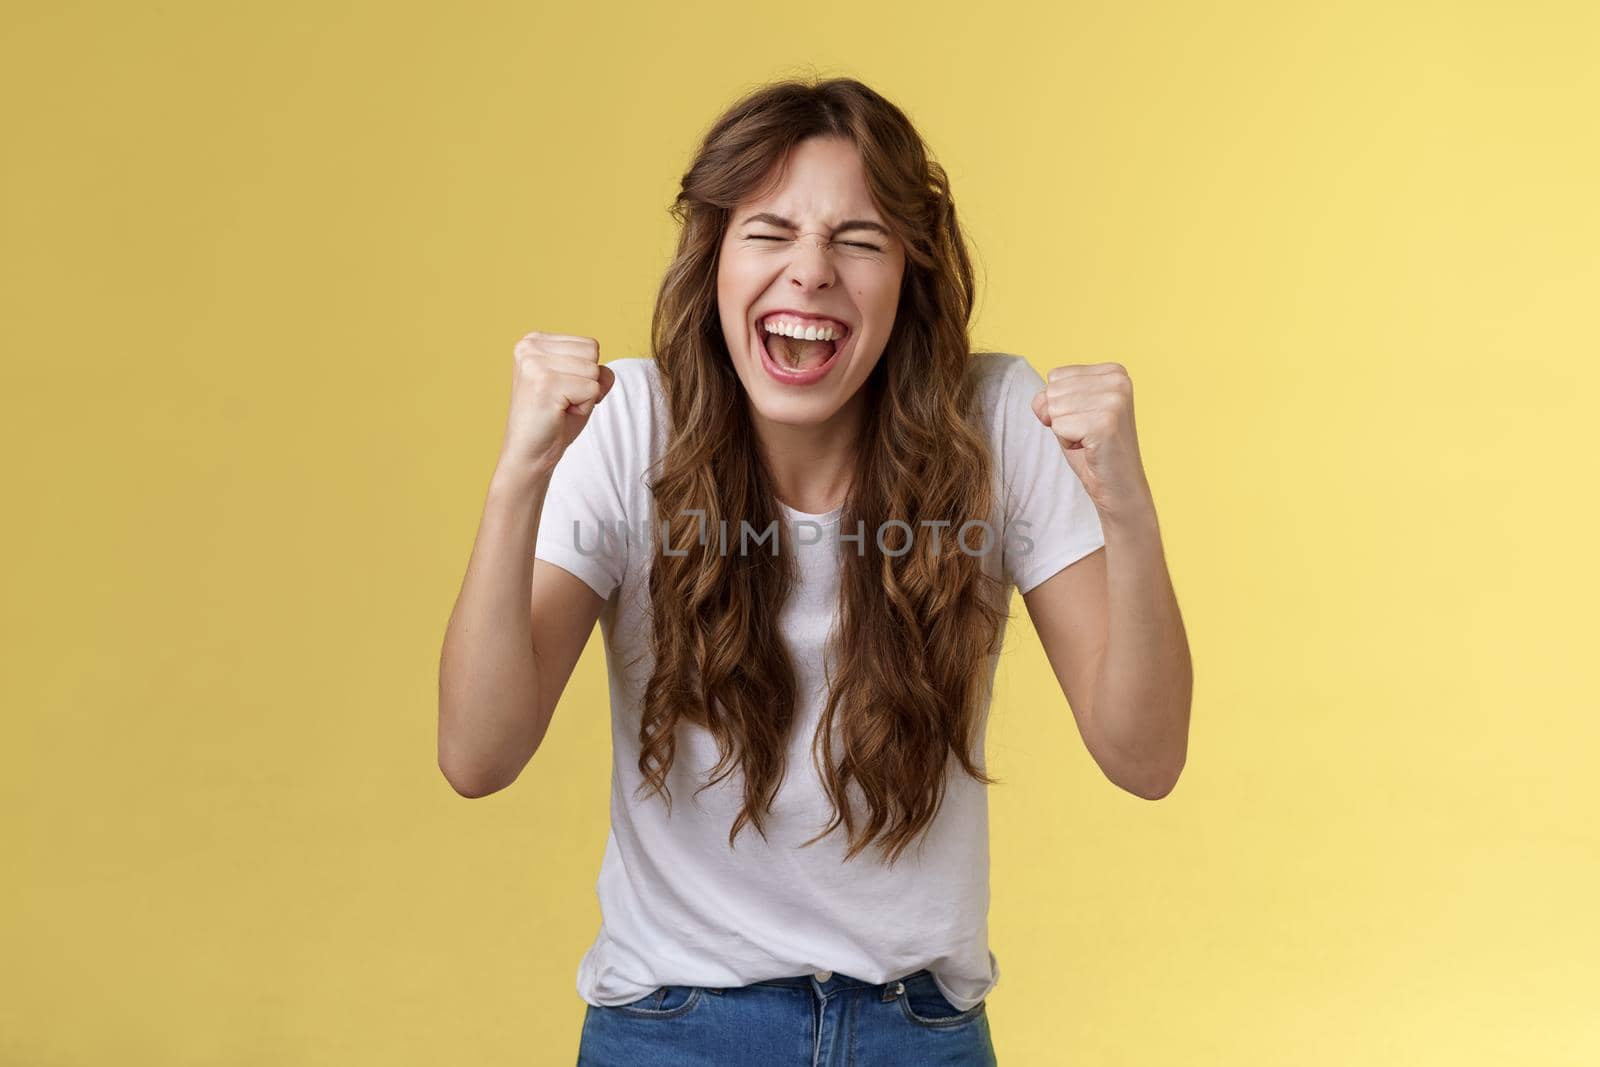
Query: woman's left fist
x=1089 y=407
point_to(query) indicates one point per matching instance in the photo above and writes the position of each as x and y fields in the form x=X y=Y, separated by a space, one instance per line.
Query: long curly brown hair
x=914 y=630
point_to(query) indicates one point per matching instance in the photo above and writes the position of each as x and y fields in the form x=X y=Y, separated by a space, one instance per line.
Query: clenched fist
x=556 y=381
x=1089 y=407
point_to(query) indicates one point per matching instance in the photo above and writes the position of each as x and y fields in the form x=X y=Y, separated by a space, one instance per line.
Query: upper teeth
x=805 y=333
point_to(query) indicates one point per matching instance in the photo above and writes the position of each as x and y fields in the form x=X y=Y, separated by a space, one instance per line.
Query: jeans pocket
x=663 y=1002
x=924 y=1005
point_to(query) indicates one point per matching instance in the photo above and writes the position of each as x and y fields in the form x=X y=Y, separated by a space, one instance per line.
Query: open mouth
x=800 y=350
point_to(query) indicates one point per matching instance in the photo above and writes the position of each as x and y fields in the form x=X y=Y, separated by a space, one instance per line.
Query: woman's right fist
x=556 y=381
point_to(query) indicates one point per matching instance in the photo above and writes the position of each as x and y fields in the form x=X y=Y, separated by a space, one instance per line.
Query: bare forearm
x=1143 y=692
x=489 y=718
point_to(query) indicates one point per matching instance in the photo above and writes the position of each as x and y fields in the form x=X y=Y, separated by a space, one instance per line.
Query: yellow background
x=264 y=266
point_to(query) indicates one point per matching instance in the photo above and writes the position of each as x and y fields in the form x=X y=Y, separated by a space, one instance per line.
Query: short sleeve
x=1050 y=520
x=583 y=526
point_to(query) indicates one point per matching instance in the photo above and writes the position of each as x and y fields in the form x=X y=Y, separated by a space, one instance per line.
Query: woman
x=798 y=526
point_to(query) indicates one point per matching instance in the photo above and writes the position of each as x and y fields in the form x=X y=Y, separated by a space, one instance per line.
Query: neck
x=812 y=466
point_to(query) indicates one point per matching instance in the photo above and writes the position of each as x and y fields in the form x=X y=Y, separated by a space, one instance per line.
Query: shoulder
x=996 y=373
x=635 y=394
x=1004 y=385
x=632 y=417
x=637 y=378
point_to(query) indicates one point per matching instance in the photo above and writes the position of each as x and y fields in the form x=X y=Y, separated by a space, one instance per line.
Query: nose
x=811 y=267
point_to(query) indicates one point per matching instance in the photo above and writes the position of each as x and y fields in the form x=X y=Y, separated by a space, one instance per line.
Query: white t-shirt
x=678 y=906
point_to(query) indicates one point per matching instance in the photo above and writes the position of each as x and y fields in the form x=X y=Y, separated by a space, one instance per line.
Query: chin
x=808 y=411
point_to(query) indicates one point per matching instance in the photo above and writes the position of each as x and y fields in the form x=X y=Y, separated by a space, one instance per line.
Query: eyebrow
x=849 y=224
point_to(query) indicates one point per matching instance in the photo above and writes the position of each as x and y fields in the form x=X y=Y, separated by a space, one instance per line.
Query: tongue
x=803 y=355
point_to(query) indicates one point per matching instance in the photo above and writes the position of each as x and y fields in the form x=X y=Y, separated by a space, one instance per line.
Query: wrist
x=518 y=479
x=1135 y=519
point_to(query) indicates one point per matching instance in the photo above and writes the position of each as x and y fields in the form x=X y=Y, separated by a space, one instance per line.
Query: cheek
x=732 y=298
x=880 y=298
x=737 y=281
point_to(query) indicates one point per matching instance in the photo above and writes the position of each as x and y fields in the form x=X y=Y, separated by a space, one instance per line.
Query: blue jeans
x=790 y=1022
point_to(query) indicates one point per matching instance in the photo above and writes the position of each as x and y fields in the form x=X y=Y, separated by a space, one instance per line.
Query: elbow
x=472 y=767
x=471 y=781
x=1148 y=780
x=1154 y=791
x=1150 y=785
x=470 y=788
x=1150 y=770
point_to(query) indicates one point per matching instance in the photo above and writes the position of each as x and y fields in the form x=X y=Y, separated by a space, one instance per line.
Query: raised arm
x=1110 y=624
x=519 y=625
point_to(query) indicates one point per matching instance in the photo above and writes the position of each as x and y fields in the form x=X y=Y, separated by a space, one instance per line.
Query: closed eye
x=853 y=244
